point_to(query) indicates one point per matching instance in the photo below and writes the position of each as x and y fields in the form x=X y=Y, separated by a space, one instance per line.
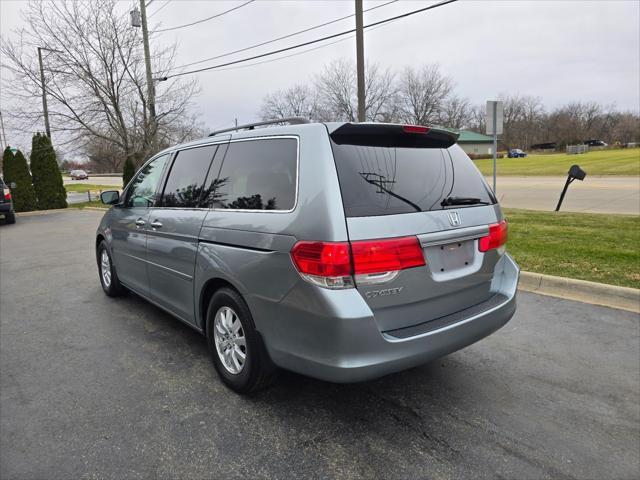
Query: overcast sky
x=561 y=51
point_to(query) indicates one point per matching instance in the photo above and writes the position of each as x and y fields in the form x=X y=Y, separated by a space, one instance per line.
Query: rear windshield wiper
x=450 y=201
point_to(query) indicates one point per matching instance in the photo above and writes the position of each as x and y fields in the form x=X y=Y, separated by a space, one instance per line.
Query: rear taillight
x=335 y=264
x=7 y=194
x=377 y=261
x=327 y=264
x=497 y=237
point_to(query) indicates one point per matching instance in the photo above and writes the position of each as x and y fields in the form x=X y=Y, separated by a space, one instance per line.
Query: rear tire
x=107 y=272
x=10 y=218
x=237 y=350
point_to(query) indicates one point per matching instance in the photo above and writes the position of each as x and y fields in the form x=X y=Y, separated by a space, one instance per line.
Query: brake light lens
x=327 y=264
x=415 y=129
x=334 y=264
x=497 y=237
x=379 y=256
x=7 y=194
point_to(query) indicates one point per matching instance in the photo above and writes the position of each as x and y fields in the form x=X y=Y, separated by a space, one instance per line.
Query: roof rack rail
x=251 y=126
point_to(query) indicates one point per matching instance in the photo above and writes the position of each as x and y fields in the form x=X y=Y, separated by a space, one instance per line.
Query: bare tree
x=456 y=112
x=297 y=101
x=422 y=93
x=95 y=79
x=336 y=87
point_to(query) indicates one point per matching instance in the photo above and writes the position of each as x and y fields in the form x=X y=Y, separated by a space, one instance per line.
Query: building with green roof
x=475 y=143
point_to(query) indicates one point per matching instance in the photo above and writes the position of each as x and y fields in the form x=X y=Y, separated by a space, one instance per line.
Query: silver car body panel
x=460 y=296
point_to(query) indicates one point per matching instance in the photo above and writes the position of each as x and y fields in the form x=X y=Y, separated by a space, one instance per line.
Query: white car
x=79 y=175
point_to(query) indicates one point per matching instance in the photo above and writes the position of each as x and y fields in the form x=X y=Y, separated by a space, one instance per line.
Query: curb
x=622 y=298
x=41 y=212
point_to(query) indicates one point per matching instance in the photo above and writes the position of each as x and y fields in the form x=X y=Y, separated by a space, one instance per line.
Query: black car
x=595 y=143
x=6 y=204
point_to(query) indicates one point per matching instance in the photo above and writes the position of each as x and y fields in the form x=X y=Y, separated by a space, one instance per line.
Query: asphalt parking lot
x=93 y=387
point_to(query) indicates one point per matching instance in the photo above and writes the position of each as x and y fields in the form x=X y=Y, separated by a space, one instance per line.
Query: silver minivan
x=342 y=251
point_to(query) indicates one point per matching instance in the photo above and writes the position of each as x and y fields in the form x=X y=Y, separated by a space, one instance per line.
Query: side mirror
x=110 y=197
x=12 y=185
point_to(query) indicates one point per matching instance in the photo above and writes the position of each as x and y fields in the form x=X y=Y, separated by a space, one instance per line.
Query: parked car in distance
x=516 y=153
x=79 y=175
x=6 y=204
x=595 y=143
x=341 y=251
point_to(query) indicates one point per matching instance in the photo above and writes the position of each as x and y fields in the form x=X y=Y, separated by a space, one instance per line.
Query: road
x=611 y=194
x=115 y=181
x=79 y=197
x=94 y=387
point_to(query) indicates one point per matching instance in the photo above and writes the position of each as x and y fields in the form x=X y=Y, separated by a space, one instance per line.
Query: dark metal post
x=360 y=61
x=495 y=144
x=564 y=190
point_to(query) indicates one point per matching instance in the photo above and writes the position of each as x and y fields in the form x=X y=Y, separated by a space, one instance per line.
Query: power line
x=297 y=53
x=278 y=38
x=205 y=19
x=311 y=42
x=163 y=5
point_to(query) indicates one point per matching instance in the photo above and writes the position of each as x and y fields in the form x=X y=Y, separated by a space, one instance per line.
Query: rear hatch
x=423 y=224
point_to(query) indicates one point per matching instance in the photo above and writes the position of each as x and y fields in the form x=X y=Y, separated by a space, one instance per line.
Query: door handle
x=140 y=223
x=156 y=224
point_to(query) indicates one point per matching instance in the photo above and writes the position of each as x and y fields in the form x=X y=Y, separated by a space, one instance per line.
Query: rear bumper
x=6 y=207
x=343 y=344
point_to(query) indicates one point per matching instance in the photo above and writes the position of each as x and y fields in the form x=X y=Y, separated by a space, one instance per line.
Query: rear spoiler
x=393 y=135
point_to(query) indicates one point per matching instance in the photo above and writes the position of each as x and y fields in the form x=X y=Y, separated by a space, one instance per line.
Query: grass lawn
x=84 y=187
x=94 y=203
x=594 y=247
x=623 y=161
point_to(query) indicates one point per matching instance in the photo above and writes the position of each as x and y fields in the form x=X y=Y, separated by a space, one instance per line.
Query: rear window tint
x=258 y=175
x=387 y=180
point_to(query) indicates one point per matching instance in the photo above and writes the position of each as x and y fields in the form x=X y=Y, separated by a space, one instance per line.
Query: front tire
x=237 y=350
x=107 y=271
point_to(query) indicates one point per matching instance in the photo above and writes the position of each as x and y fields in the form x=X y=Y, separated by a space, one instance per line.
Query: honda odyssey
x=342 y=251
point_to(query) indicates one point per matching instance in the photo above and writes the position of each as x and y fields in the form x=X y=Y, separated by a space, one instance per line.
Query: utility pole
x=4 y=135
x=44 y=96
x=151 y=94
x=360 y=61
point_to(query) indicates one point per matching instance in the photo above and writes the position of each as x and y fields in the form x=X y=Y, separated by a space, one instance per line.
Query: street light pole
x=151 y=94
x=44 y=96
x=360 y=61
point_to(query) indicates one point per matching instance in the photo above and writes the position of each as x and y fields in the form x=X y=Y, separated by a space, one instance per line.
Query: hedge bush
x=47 y=179
x=16 y=170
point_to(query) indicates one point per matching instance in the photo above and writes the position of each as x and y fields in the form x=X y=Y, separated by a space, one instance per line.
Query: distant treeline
x=423 y=95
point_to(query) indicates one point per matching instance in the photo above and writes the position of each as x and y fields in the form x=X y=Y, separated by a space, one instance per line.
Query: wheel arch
x=209 y=288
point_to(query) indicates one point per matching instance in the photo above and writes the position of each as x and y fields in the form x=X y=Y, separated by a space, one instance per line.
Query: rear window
x=389 y=180
x=258 y=175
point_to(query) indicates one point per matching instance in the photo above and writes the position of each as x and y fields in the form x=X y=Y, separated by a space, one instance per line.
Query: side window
x=257 y=175
x=186 y=179
x=142 y=192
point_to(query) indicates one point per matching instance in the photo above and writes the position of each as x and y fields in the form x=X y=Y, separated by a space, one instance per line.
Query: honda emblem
x=454 y=218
